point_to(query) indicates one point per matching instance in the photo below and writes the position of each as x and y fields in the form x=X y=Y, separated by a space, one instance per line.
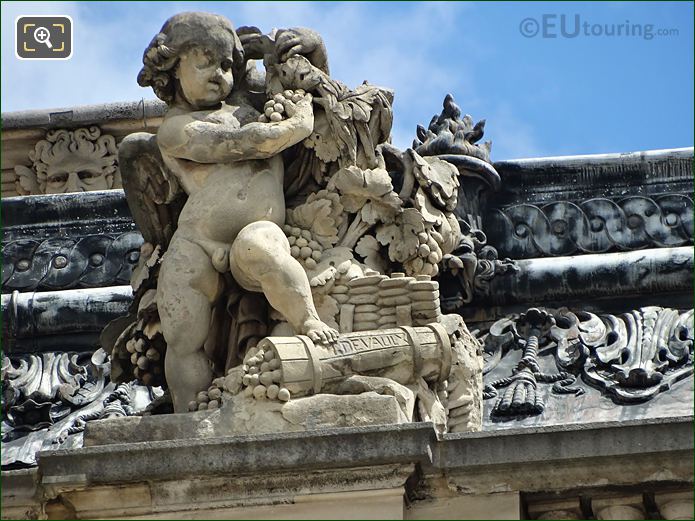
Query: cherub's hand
x=302 y=106
x=253 y=42
x=302 y=41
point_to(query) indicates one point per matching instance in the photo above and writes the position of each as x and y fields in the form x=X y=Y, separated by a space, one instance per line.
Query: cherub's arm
x=288 y=43
x=304 y=42
x=185 y=137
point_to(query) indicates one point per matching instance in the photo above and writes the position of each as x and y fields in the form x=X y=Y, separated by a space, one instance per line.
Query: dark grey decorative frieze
x=630 y=358
x=70 y=262
x=68 y=241
x=517 y=394
x=595 y=225
x=34 y=322
x=39 y=390
x=591 y=204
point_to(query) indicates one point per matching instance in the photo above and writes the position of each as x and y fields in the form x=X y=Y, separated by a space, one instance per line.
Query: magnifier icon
x=42 y=35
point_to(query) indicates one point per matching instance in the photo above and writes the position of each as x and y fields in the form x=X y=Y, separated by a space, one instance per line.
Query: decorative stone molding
x=675 y=505
x=626 y=507
x=594 y=203
x=596 y=225
x=48 y=398
x=568 y=508
x=630 y=357
x=79 y=160
x=520 y=396
x=72 y=262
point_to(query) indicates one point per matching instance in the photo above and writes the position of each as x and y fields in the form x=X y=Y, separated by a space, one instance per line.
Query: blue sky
x=541 y=96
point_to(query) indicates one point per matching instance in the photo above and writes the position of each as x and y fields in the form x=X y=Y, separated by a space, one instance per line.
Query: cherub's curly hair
x=179 y=33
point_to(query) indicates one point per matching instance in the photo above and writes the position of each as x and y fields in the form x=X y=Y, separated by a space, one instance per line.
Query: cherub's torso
x=225 y=197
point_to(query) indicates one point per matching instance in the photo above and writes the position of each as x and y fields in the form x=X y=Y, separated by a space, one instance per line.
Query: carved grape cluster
x=147 y=357
x=274 y=109
x=303 y=247
x=210 y=399
x=429 y=254
x=262 y=375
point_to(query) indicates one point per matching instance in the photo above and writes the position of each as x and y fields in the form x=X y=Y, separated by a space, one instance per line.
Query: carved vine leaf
x=368 y=248
x=322 y=214
x=367 y=192
x=439 y=179
x=450 y=232
x=402 y=236
x=325 y=272
x=432 y=216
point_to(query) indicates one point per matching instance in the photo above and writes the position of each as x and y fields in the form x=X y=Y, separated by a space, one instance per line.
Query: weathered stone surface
x=83 y=115
x=658 y=270
x=242 y=416
x=359 y=493
x=173 y=459
x=506 y=506
x=675 y=505
x=468 y=450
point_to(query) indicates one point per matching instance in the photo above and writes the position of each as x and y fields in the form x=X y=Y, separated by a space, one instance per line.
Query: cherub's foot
x=319 y=332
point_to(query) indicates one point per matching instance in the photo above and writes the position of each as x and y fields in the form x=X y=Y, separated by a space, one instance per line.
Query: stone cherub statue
x=230 y=167
x=273 y=207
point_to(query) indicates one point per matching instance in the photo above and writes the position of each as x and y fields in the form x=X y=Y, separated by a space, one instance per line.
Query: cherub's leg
x=187 y=287
x=260 y=256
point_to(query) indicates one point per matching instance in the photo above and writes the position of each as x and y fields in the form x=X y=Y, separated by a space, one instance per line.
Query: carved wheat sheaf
x=66 y=263
x=592 y=226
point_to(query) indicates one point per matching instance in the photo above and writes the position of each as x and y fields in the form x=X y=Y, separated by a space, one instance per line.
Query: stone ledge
x=89 y=211
x=275 y=494
x=238 y=455
x=82 y=115
x=541 y=179
x=361 y=447
x=563 y=442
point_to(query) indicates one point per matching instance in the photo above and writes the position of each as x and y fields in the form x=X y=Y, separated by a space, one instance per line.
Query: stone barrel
x=402 y=354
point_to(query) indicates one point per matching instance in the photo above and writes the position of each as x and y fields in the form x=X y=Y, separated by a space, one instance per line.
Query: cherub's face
x=205 y=76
